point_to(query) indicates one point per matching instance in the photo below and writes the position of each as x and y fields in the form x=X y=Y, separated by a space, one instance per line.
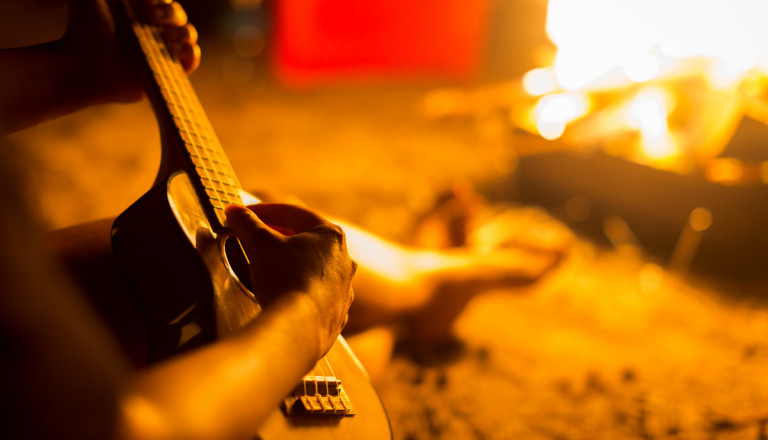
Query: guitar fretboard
x=206 y=157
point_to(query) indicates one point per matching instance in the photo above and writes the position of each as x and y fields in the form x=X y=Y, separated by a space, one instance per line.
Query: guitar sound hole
x=237 y=261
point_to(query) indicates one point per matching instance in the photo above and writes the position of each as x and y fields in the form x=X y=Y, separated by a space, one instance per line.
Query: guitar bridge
x=318 y=395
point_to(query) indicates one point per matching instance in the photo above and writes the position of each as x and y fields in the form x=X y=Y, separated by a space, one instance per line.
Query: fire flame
x=636 y=61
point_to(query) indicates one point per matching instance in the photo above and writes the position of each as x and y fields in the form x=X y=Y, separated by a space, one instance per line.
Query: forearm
x=225 y=390
x=39 y=83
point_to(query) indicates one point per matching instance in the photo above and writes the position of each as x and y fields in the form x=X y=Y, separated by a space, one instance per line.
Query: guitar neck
x=189 y=141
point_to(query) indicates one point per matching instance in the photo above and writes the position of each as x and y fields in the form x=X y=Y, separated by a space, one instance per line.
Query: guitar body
x=178 y=268
x=173 y=246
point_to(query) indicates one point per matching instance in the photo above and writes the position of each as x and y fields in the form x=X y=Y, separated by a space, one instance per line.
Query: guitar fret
x=205 y=176
x=203 y=151
x=220 y=195
x=202 y=159
x=210 y=150
x=158 y=76
x=228 y=189
x=227 y=186
x=187 y=136
x=180 y=104
x=196 y=143
x=209 y=170
x=225 y=193
x=211 y=165
x=222 y=189
x=208 y=161
x=166 y=94
x=230 y=184
x=225 y=201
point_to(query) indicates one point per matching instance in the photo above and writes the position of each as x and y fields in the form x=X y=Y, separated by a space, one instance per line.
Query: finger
x=186 y=34
x=351 y=299
x=249 y=228
x=293 y=217
x=187 y=54
x=171 y=14
x=344 y=322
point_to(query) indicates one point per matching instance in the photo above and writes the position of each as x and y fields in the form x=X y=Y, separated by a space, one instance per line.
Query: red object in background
x=332 y=41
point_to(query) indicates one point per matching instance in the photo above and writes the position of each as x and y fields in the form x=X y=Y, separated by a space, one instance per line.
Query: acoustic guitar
x=185 y=267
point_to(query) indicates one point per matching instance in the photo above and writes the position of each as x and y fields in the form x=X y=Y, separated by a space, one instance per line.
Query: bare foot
x=502 y=269
x=508 y=248
x=447 y=222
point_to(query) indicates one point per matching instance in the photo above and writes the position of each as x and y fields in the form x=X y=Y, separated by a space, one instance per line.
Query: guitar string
x=168 y=82
x=323 y=375
x=229 y=185
x=231 y=194
x=221 y=193
x=224 y=165
x=146 y=39
x=162 y=61
x=207 y=138
x=187 y=118
x=323 y=380
x=322 y=372
x=329 y=366
x=313 y=376
x=333 y=374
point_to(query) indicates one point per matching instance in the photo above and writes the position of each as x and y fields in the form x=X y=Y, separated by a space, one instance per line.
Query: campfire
x=665 y=103
x=660 y=83
x=665 y=84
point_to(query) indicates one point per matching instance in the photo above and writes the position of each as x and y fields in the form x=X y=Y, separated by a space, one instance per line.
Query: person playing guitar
x=66 y=376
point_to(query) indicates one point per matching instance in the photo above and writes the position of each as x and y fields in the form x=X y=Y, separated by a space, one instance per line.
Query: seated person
x=87 y=380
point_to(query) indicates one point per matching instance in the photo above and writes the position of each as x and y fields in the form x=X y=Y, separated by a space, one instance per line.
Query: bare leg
x=424 y=287
x=395 y=285
x=420 y=292
x=430 y=287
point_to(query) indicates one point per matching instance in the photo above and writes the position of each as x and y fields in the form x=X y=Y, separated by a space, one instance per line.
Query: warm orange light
x=642 y=68
x=607 y=50
x=700 y=219
x=648 y=113
x=554 y=111
x=540 y=81
x=596 y=37
x=725 y=170
x=640 y=39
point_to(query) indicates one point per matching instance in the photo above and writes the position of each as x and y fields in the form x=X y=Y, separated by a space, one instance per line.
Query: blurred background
x=639 y=125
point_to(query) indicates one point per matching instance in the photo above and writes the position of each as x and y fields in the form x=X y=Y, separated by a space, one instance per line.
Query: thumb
x=249 y=228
